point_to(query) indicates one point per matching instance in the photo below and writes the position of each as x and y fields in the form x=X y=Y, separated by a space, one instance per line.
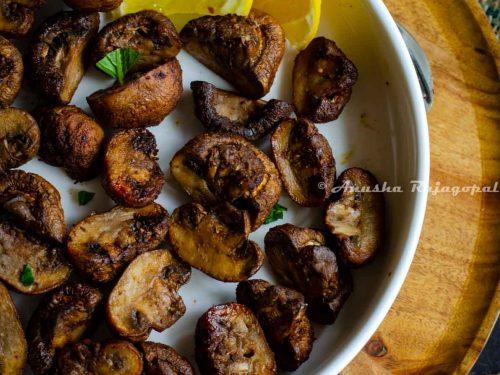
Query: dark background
x=489 y=360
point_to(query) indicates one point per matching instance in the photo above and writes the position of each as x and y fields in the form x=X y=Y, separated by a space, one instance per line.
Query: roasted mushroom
x=356 y=217
x=246 y=51
x=57 y=54
x=93 y=5
x=101 y=245
x=305 y=162
x=221 y=110
x=13 y=347
x=300 y=259
x=71 y=139
x=229 y=340
x=11 y=72
x=131 y=174
x=323 y=78
x=223 y=167
x=19 y=138
x=281 y=313
x=17 y=16
x=161 y=359
x=215 y=241
x=144 y=100
x=61 y=318
x=35 y=203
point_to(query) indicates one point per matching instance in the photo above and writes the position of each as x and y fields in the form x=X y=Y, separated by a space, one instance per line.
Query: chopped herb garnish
x=27 y=277
x=276 y=213
x=117 y=63
x=84 y=197
x=7 y=216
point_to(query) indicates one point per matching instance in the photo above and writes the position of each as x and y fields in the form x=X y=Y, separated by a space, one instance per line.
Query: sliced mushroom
x=57 y=54
x=144 y=100
x=246 y=51
x=323 y=78
x=131 y=174
x=161 y=359
x=223 y=167
x=356 y=218
x=17 y=17
x=300 y=259
x=61 y=318
x=11 y=72
x=146 y=297
x=71 y=139
x=215 y=241
x=13 y=347
x=221 y=110
x=281 y=313
x=93 y=5
x=35 y=203
x=19 y=138
x=229 y=340
x=101 y=245
x=305 y=161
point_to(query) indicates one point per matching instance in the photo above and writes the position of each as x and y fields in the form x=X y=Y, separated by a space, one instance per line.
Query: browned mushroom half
x=145 y=99
x=323 y=78
x=35 y=203
x=223 y=167
x=17 y=16
x=62 y=318
x=146 y=297
x=300 y=259
x=305 y=161
x=101 y=245
x=161 y=359
x=229 y=340
x=246 y=51
x=131 y=173
x=215 y=241
x=93 y=5
x=11 y=72
x=281 y=313
x=221 y=110
x=19 y=138
x=57 y=54
x=148 y=32
x=356 y=217
x=13 y=346
x=71 y=139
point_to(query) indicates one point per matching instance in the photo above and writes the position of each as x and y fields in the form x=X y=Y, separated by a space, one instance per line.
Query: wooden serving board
x=451 y=297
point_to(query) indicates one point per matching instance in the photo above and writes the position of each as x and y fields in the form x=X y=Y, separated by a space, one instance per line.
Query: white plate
x=383 y=129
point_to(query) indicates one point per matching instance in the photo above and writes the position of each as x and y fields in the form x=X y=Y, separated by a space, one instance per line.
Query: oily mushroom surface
x=57 y=55
x=281 y=313
x=221 y=110
x=246 y=51
x=131 y=174
x=101 y=245
x=11 y=72
x=161 y=359
x=19 y=138
x=356 y=217
x=62 y=318
x=17 y=17
x=93 y=5
x=145 y=99
x=323 y=78
x=305 y=161
x=71 y=139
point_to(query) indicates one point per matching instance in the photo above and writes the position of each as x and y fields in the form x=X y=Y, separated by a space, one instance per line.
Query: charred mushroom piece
x=144 y=100
x=300 y=259
x=71 y=139
x=215 y=241
x=35 y=203
x=246 y=51
x=19 y=138
x=101 y=245
x=356 y=217
x=93 y=5
x=13 y=347
x=229 y=340
x=223 y=167
x=305 y=162
x=281 y=313
x=17 y=16
x=57 y=55
x=161 y=359
x=131 y=174
x=11 y=72
x=61 y=318
x=221 y=110
x=323 y=78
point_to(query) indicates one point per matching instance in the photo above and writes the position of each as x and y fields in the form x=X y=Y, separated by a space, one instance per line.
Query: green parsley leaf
x=7 y=216
x=27 y=277
x=276 y=213
x=117 y=63
x=84 y=197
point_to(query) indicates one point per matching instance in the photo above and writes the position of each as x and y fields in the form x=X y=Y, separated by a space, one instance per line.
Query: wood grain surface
x=451 y=297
